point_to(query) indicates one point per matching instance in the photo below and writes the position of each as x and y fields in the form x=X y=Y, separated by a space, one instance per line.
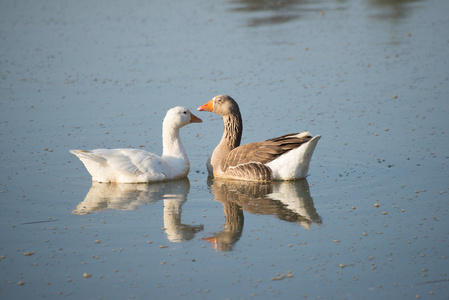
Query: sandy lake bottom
x=369 y=222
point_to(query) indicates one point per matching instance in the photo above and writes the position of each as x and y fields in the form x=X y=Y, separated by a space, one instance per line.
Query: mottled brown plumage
x=255 y=161
x=263 y=152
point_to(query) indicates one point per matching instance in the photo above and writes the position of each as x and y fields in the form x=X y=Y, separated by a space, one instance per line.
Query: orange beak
x=209 y=106
x=194 y=119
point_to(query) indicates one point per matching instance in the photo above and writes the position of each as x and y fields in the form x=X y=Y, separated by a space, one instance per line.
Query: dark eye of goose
x=184 y=112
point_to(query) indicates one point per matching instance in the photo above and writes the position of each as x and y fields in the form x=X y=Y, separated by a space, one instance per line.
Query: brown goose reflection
x=287 y=200
x=102 y=196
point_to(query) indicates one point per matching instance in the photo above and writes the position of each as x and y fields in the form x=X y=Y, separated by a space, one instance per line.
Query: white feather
x=135 y=165
x=295 y=163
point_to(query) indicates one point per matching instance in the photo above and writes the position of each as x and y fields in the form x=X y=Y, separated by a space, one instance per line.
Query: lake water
x=370 y=221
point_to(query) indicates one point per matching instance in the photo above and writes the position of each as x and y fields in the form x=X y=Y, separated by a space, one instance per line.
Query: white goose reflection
x=287 y=200
x=102 y=196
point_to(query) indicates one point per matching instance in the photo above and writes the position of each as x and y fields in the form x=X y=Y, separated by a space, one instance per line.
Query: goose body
x=135 y=165
x=282 y=158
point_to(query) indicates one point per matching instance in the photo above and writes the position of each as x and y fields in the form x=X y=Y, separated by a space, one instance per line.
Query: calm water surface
x=370 y=221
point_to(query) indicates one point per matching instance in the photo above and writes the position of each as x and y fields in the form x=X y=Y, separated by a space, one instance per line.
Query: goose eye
x=184 y=112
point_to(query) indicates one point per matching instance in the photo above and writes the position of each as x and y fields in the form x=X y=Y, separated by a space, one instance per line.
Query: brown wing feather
x=263 y=152
x=250 y=171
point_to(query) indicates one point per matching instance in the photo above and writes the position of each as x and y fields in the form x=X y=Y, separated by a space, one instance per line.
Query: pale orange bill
x=194 y=119
x=209 y=106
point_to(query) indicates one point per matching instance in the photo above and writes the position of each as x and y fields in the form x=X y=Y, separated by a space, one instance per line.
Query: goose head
x=180 y=116
x=222 y=105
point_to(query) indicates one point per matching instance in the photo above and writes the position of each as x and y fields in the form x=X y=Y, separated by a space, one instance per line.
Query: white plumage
x=135 y=165
x=294 y=164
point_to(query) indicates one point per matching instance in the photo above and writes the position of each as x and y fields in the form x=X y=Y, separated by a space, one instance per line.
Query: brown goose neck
x=233 y=129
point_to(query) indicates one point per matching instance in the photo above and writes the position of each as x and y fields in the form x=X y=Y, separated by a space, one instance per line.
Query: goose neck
x=233 y=128
x=171 y=141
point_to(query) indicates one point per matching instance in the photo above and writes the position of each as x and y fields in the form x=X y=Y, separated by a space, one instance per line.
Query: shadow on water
x=102 y=196
x=269 y=12
x=288 y=201
x=274 y=12
x=390 y=9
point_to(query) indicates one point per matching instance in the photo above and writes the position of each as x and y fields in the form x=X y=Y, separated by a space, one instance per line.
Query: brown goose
x=282 y=158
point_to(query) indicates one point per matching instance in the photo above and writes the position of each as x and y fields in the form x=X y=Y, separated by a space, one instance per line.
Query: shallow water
x=370 y=221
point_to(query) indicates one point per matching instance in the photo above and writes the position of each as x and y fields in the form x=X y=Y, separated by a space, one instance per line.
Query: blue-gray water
x=371 y=221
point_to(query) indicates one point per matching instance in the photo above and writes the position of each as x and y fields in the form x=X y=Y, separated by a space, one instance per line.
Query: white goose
x=282 y=158
x=134 y=165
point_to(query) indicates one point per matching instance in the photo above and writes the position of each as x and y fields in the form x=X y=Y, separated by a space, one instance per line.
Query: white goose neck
x=171 y=141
